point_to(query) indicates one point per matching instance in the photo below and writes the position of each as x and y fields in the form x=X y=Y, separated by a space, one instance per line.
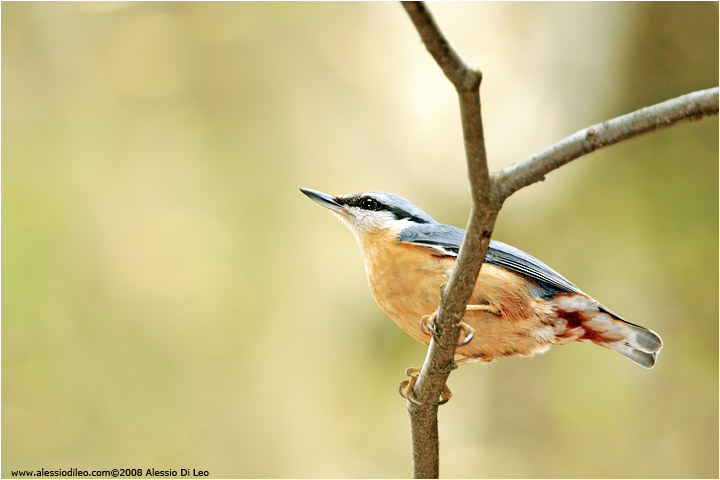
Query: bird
x=519 y=305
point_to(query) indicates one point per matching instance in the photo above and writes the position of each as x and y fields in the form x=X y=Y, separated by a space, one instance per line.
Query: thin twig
x=455 y=296
x=463 y=77
x=692 y=106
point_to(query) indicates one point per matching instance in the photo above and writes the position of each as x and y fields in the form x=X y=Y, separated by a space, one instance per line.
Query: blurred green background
x=171 y=300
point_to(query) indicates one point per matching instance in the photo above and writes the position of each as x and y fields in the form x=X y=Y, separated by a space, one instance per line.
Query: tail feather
x=643 y=359
x=640 y=345
x=643 y=339
x=589 y=321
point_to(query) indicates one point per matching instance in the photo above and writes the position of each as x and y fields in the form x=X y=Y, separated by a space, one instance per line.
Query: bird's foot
x=427 y=325
x=469 y=333
x=406 y=389
x=486 y=308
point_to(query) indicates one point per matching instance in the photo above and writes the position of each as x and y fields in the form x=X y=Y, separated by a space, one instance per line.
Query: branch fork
x=489 y=192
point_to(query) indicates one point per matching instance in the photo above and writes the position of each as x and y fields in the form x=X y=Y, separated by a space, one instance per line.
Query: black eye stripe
x=400 y=214
x=366 y=203
x=372 y=204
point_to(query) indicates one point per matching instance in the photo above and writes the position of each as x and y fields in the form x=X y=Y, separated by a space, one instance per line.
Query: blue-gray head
x=371 y=212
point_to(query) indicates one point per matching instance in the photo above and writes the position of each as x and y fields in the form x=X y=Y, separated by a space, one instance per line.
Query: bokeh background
x=171 y=300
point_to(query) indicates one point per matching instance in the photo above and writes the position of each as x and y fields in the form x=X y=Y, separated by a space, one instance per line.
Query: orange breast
x=405 y=281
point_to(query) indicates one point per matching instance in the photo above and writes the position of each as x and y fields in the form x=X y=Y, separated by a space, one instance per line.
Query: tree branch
x=693 y=106
x=488 y=194
x=455 y=296
x=463 y=77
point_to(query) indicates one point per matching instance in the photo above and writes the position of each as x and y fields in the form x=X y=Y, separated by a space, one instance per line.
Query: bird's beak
x=323 y=199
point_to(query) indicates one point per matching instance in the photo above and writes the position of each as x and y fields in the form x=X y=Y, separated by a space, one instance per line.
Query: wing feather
x=446 y=240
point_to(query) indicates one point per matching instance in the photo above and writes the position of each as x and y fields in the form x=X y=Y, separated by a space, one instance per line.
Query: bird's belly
x=496 y=336
x=407 y=302
x=522 y=323
x=408 y=289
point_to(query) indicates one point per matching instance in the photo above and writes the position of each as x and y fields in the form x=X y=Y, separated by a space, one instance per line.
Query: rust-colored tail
x=583 y=319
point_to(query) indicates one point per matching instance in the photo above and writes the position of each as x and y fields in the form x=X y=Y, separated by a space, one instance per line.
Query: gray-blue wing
x=514 y=259
x=446 y=240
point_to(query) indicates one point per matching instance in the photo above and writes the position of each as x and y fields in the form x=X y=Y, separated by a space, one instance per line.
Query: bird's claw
x=427 y=325
x=469 y=334
x=406 y=389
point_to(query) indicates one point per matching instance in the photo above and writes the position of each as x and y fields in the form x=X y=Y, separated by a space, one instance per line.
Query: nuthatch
x=519 y=306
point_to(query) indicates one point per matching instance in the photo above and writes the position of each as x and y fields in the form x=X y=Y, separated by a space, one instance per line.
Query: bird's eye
x=369 y=203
